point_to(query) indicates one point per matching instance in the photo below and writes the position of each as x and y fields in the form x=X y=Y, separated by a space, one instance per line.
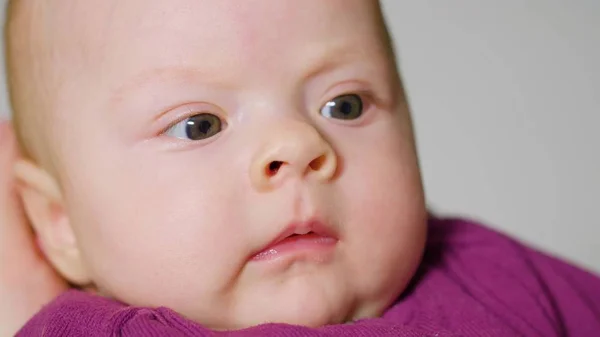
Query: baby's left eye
x=197 y=127
x=345 y=107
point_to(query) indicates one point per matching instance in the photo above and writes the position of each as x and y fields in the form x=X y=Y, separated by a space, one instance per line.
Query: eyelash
x=369 y=97
x=190 y=112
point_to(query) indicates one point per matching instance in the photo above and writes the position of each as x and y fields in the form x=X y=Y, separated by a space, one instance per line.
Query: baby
x=249 y=162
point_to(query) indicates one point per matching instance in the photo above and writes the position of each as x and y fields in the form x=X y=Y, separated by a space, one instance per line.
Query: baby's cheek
x=155 y=237
x=384 y=214
x=386 y=246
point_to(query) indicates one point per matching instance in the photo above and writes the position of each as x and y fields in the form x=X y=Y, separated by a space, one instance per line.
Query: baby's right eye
x=197 y=127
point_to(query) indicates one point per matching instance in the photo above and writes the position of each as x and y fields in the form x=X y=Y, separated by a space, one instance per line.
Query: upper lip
x=315 y=226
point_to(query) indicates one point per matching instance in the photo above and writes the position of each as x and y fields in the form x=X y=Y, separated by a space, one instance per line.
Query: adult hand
x=27 y=281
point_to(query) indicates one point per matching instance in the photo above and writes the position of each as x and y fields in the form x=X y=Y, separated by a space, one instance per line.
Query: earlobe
x=44 y=205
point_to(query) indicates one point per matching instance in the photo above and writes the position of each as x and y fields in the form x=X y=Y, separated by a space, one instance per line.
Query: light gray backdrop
x=506 y=101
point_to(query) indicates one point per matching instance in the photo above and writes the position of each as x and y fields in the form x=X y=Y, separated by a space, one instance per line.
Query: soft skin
x=124 y=203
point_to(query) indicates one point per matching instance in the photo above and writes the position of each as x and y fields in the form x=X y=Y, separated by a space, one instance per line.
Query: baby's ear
x=45 y=208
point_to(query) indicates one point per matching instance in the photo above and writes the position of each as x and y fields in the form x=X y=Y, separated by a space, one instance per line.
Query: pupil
x=204 y=127
x=346 y=108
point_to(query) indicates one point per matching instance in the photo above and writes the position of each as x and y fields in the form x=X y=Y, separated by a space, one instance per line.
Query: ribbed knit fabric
x=472 y=282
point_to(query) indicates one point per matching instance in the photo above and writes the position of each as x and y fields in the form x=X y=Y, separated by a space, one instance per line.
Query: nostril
x=317 y=163
x=274 y=167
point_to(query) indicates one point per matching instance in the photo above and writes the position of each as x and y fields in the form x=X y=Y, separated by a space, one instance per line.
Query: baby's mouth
x=310 y=239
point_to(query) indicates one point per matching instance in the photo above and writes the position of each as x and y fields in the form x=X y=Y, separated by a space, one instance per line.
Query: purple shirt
x=472 y=282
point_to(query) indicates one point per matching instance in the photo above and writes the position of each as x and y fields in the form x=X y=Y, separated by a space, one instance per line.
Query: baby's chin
x=314 y=314
x=311 y=307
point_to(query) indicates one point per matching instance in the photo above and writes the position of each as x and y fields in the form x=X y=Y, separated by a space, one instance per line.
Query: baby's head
x=173 y=146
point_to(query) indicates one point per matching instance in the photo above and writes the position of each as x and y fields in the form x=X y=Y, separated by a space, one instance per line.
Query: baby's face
x=195 y=138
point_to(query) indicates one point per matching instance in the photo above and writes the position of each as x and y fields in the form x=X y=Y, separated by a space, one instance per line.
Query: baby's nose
x=294 y=150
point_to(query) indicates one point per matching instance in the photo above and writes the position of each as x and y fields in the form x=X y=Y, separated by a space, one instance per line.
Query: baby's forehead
x=101 y=17
x=211 y=35
x=78 y=36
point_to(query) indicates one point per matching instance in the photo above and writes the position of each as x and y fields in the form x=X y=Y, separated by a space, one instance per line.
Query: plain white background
x=506 y=102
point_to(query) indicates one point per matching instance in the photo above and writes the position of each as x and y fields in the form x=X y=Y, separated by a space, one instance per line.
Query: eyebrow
x=327 y=61
x=169 y=73
x=319 y=63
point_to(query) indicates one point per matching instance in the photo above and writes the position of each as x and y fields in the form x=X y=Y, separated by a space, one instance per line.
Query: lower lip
x=307 y=243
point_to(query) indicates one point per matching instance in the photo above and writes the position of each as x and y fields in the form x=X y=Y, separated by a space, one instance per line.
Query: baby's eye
x=197 y=127
x=346 y=107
